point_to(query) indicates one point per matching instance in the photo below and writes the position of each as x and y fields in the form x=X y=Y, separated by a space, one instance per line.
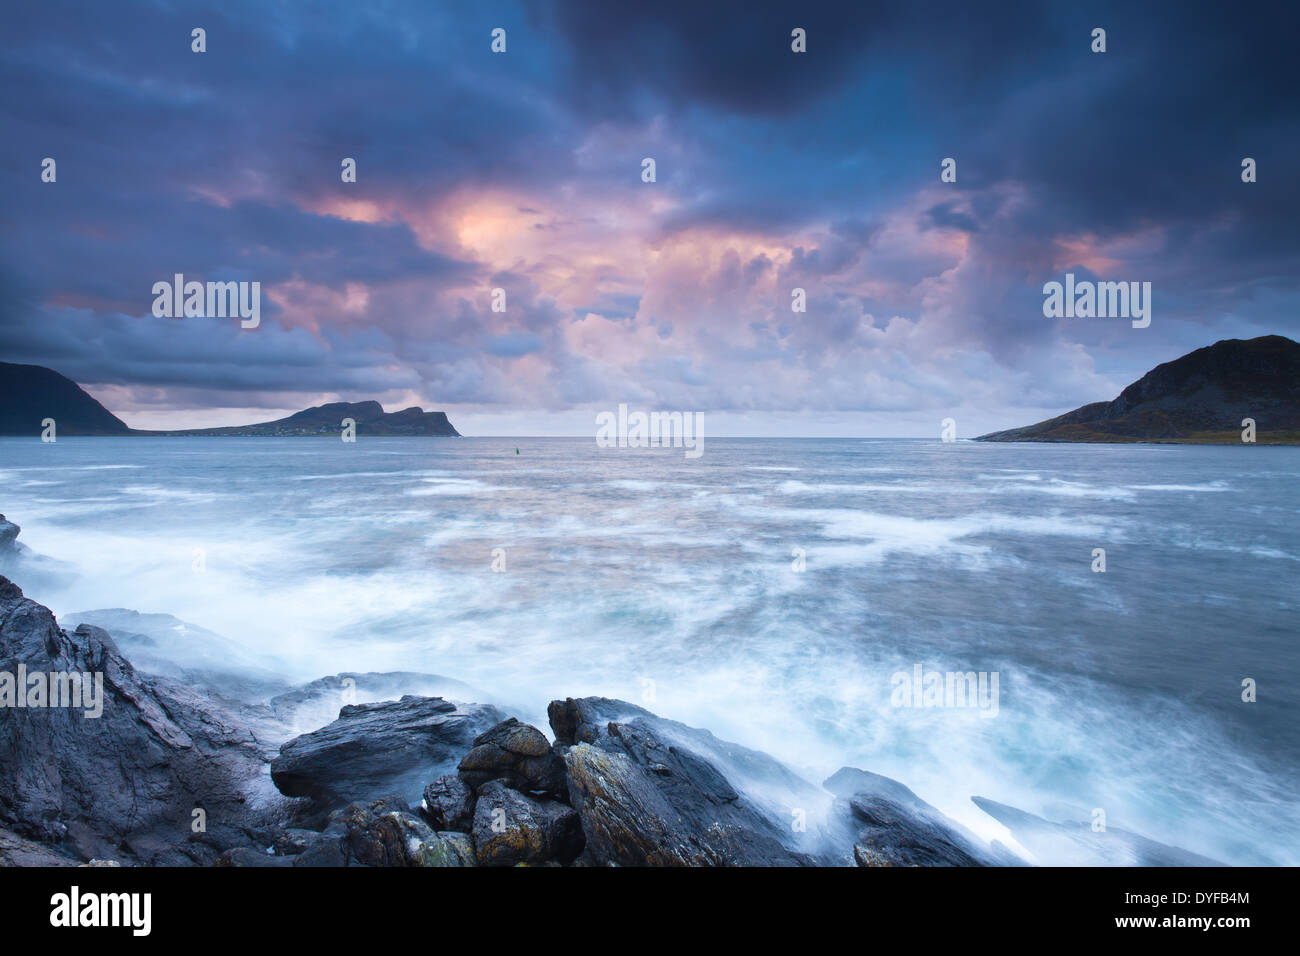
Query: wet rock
x=892 y=826
x=293 y=841
x=446 y=849
x=652 y=792
x=512 y=828
x=449 y=804
x=517 y=754
x=132 y=776
x=380 y=832
x=378 y=749
x=312 y=706
x=384 y=832
x=16 y=850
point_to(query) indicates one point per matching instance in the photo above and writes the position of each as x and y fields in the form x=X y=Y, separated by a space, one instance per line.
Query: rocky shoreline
x=178 y=771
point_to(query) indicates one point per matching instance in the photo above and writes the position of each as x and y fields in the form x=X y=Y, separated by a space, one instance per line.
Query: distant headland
x=1215 y=395
x=31 y=394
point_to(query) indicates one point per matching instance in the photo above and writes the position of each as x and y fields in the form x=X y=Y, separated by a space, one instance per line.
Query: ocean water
x=671 y=582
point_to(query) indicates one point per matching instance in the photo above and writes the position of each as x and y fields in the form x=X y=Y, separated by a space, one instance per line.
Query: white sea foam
x=691 y=587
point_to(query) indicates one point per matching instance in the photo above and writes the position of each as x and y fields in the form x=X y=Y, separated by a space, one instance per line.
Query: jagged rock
x=293 y=841
x=380 y=832
x=892 y=826
x=647 y=795
x=511 y=828
x=384 y=832
x=314 y=705
x=128 y=780
x=16 y=850
x=518 y=755
x=449 y=804
x=1076 y=844
x=377 y=749
x=893 y=837
x=446 y=849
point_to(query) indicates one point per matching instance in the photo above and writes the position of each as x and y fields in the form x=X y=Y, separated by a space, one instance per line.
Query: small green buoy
x=516 y=451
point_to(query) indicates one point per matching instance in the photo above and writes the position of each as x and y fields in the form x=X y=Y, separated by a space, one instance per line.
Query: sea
x=1137 y=604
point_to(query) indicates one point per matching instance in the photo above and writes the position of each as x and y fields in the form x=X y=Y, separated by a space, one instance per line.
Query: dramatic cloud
x=522 y=172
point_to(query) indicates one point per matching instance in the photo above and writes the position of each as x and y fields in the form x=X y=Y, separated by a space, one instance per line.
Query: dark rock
x=449 y=804
x=384 y=832
x=652 y=792
x=292 y=841
x=446 y=849
x=518 y=755
x=378 y=749
x=133 y=776
x=512 y=828
x=16 y=850
x=1076 y=844
x=892 y=826
x=371 y=833
x=316 y=704
x=891 y=836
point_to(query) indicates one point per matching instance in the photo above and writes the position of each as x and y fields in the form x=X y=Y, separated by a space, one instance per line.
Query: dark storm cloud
x=225 y=166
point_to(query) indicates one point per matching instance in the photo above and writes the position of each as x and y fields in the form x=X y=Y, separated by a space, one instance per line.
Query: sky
x=523 y=171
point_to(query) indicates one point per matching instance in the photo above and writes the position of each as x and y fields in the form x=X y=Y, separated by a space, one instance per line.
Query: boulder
x=518 y=755
x=384 y=832
x=892 y=826
x=512 y=828
x=313 y=705
x=449 y=804
x=377 y=749
x=650 y=792
x=446 y=849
